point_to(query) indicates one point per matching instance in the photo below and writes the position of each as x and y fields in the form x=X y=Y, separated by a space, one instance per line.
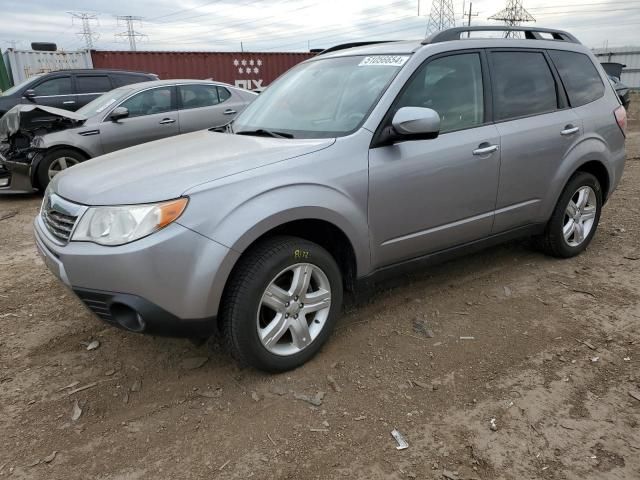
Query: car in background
x=39 y=142
x=622 y=90
x=68 y=89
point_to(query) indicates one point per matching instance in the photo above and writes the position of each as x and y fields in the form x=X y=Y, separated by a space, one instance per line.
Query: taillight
x=621 y=118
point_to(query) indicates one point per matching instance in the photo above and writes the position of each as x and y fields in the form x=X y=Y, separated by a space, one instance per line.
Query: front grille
x=59 y=224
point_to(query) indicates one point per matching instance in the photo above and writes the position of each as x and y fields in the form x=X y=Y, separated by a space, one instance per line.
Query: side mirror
x=119 y=113
x=416 y=123
x=29 y=94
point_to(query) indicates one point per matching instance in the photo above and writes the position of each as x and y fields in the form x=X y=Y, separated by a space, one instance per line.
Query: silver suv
x=354 y=164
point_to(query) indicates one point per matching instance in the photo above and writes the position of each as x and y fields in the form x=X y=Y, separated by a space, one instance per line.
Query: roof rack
x=353 y=44
x=530 y=33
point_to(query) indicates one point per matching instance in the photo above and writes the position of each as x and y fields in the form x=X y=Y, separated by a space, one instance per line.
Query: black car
x=622 y=90
x=68 y=89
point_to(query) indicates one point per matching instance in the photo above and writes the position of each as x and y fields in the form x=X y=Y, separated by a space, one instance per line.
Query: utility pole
x=86 y=33
x=131 y=33
x=441 y=16
x=513 y=15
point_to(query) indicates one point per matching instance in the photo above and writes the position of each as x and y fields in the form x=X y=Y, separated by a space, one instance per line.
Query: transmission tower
x=131 y=33
x=441 y=16
x=513 y=15
x=86 y=33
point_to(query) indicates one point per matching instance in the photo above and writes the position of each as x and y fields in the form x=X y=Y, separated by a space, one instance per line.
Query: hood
x=36 y=119
x=167 y=168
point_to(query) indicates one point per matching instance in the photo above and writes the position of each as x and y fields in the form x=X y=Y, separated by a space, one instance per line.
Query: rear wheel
x=281 y=304
x=575 y=218
x=55 y=162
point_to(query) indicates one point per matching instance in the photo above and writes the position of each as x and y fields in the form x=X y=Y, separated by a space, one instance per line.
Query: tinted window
x=121 y=79
x=55 y=86
x=452 y=86
x=93 y=84
x=196 y=96
x=224 y=94
x=579 y=75
x=522 y=85
x=149 y=102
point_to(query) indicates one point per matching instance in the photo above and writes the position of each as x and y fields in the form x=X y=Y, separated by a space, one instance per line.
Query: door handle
x=485 y=150
x=229 y=111
x=69 y=102
x=166 y=121
x=569 y=130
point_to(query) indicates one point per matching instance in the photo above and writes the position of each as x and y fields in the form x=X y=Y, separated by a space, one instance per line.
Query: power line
x=86 y=18
x=131 y=33
x=441 y=16
x=513 y=15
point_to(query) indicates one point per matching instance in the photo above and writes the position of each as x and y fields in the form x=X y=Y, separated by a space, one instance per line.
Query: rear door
x=152 y=115
x=55 y=91
x=199 y=107
x=537 y=130
x=89 y=87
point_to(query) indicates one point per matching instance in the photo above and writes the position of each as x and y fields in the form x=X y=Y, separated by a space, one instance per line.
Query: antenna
x=513 y=15
x=441 y=16
x=86 y=33
x=131 y=33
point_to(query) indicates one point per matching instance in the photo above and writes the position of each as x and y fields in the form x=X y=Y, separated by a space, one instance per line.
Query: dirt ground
x=546 y=349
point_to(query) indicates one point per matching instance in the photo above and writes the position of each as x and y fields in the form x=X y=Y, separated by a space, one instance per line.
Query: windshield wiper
x=265 y=133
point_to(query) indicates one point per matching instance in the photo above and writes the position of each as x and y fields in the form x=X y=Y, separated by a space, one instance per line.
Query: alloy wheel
x=294 y=309
x=579 y=216
x=60 y=164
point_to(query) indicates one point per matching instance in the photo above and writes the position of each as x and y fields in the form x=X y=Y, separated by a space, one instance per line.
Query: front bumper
x=169 y=283
x=15 y=176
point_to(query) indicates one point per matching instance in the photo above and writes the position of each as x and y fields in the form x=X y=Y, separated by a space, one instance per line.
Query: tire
x=259 y=329
x=66 y=155
x=553 y=241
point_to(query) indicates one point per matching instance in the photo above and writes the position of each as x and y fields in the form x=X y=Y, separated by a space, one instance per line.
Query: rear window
x=523 y=85
x=93 y=84
x=579 y=76
x=121 y=79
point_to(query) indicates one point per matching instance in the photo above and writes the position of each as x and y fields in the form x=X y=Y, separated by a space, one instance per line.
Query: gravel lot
x=549 y=349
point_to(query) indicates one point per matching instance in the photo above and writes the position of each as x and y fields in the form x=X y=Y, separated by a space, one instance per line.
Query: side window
x=122 y=79
x=55 y=86
x=149 y=102
x=523 y=85
x=580 y=77
x=93 y=83
x=452 y=86
x=197 y=96
x=224 y=94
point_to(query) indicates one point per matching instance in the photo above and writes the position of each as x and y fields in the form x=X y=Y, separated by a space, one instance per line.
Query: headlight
x=113 y=226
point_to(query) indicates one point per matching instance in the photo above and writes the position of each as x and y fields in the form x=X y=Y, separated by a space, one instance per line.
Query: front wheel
x=575 y=218
x=281 y=303
x=55 y=162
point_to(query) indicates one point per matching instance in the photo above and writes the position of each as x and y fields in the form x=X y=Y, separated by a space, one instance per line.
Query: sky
x=288 y=25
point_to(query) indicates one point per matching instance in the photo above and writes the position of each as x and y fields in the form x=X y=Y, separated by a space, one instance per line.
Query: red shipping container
x=250 y=70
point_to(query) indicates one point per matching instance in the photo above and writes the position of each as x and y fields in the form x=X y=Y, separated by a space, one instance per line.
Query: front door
x=429 y=195
x=55 y=92
x=537 y=130
x=152 y=115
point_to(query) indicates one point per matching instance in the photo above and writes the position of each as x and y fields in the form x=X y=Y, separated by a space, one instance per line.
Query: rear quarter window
x=579 y=76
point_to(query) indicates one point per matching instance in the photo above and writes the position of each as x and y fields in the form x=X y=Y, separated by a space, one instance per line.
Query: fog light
x=4 y=182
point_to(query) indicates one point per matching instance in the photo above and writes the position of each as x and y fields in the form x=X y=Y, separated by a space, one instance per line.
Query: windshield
x=18 y=87
x=104 y=101
x=323 y=98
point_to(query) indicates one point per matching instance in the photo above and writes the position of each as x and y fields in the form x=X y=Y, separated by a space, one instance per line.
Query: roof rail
x=530 y=33
x=353 y=44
